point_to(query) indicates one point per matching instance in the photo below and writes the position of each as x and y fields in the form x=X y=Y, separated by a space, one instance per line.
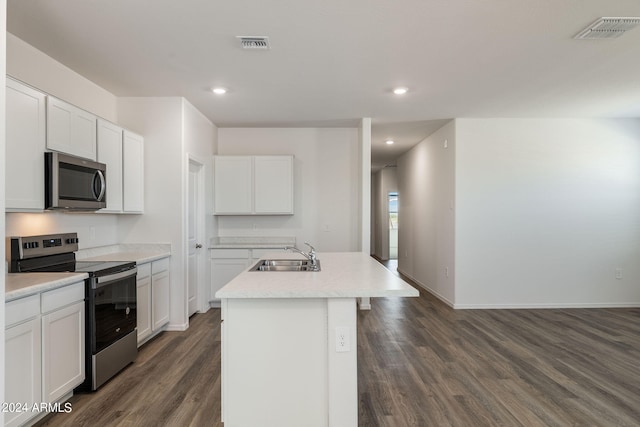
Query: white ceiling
x=332 y=62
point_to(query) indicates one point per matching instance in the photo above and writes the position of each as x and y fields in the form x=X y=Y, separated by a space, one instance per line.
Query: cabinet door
x=62 y=351
x=273 y=184
x=84 y=134
x=233 y=185
x=25 y=136
x=160 y=293
x=70 y=130
x=23 y=364
x=133 y=172
x=110 y=153
x=224 y=270
x=143 y=308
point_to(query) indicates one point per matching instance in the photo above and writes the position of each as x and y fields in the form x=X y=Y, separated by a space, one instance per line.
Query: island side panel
x=343 y=362
x=275 y=362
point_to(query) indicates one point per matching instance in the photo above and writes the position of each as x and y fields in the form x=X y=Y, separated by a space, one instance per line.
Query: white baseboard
x=177 y=327
x=428 y=289
x=543 y=306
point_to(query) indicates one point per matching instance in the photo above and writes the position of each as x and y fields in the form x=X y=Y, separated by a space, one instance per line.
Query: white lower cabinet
x=225 y=265
x=23 y=364
x=153 y=298
x=62 y=351
x=160 y=281
x=44 y=350
x=228 y=263
x=143 y=302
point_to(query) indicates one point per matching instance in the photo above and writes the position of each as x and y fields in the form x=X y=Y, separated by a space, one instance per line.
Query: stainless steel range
x=110 y=299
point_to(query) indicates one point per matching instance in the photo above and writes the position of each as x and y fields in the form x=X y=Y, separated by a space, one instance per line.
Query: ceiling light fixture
x=400 y=90
x=389 y=141
x=219 y=90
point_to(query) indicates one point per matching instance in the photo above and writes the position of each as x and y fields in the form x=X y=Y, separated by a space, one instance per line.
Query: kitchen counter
x=20 y=285
x=250 y=242
x=289 y=341
x=342 y=275
x=139 y=253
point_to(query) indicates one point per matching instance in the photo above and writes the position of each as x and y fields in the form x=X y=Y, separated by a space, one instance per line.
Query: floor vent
x=254 y=42
x=608 y=28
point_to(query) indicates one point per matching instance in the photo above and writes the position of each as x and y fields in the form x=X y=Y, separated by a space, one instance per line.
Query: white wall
x=3 y=25
x=93 y=229
x=426 y=196
x=547 y=209
x=160 y=121
x=327 y=182
x=28 y=64
x=172 y=128
x=384 y=181
x=364 y=185
x=201 y=142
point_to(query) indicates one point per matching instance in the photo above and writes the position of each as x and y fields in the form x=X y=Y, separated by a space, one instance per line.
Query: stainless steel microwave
x=74 y=183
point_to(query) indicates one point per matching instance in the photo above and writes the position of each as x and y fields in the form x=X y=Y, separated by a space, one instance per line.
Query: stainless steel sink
x=285 y=265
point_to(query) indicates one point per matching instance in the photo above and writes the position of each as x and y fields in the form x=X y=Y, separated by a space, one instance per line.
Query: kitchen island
x=289 y=350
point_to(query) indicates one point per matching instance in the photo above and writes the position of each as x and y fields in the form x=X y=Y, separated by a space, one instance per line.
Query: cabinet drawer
x=21 y=309
x=229 y=253
x=144 y=270
x=61 y=297
x=160 y=266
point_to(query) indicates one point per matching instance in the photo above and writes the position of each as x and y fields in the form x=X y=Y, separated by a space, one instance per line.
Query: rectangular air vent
x=254 y=42
x=608 y=28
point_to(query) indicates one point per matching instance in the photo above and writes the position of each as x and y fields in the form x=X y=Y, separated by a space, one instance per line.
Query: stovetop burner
x=56 y=253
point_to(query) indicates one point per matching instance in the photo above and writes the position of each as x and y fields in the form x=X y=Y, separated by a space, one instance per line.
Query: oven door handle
x=105 y=280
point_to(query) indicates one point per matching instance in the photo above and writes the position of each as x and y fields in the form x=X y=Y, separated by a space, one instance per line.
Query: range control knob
x=72 y=240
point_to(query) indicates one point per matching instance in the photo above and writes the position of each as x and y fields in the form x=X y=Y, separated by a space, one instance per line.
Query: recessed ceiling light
x=400 y=90
x=389 y=142
x=219 y=90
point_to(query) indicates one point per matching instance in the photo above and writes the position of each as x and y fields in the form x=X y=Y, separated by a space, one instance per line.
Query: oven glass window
x=114 y=311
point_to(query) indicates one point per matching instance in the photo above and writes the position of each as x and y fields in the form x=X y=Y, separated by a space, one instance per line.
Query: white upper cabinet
x=253 y=185
x=233 y=179
x=25 y=145
x=70 y=130
x=133 y=172
x=110 y=153
x=273 y=184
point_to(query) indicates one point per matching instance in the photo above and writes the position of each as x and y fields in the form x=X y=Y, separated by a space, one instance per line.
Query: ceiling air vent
x=608 y=28
x=254 y=42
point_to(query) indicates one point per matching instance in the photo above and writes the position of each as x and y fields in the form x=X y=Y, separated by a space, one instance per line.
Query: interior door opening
x=393 y=225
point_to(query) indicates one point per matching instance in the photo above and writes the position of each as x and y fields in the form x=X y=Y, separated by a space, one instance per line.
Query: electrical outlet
x=619 y=273
x=343 y=339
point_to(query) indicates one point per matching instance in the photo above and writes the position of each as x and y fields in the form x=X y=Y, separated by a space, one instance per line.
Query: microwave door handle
x=99 y=175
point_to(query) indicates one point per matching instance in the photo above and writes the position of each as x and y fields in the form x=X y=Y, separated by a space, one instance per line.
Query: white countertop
x=342 y=275
x=139 y=253
x=251 y=242
x=20 y=285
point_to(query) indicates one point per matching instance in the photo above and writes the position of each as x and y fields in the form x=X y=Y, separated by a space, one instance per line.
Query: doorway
x=195 y=236
x=393 y=225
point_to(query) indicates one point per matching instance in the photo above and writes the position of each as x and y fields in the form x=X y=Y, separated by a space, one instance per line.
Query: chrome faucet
x=311 y=256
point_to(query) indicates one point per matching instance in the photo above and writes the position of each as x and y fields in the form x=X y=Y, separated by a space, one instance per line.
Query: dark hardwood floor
x=420 y=363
